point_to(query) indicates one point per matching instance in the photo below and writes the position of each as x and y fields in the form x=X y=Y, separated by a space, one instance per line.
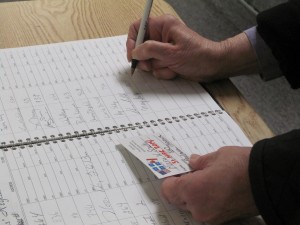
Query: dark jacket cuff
x=274 y=171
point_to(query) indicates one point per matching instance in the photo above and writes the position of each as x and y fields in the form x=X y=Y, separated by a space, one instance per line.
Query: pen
x=142 y=31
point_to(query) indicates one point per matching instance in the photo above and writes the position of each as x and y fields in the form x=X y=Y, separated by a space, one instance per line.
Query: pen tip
x=132 y=71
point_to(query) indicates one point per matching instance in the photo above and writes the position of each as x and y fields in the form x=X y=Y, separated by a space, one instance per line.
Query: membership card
x=162 y=157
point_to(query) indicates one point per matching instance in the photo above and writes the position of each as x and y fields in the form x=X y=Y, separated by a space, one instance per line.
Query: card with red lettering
x=162 y=157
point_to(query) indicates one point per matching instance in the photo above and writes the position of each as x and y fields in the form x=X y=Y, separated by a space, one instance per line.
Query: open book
x=63 y=108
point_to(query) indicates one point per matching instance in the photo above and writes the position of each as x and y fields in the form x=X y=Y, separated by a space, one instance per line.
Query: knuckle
x=170 y=55
x=147 y=45
x=179 y=182
x=170 y=188
x=202 y=161
x=171 y=51
x=132 y=29
x=170 y=18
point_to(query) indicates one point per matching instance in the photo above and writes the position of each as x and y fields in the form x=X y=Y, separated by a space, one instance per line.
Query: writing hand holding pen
x=172 y=49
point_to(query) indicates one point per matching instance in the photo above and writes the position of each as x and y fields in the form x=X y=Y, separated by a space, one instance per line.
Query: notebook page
x=90 y=181
x=74 y=86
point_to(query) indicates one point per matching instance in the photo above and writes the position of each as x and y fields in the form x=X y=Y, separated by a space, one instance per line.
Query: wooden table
x=48 y=21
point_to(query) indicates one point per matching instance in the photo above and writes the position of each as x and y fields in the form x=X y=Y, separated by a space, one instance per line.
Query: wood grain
x=49 y=21
x=230 y=99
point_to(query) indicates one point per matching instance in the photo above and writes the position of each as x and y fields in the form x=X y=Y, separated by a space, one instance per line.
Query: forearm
x=239 y=57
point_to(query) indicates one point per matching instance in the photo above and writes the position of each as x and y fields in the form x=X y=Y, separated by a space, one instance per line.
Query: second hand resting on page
x=219 y=189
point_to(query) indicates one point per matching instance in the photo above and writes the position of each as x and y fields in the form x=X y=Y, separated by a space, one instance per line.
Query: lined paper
x=80 y=85
x=66 y=87
x=90 y=181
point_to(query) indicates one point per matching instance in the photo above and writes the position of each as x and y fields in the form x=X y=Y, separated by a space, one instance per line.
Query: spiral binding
x=99 y=131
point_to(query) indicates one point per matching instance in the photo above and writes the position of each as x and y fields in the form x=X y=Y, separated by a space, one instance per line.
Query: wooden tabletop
x=26 y=23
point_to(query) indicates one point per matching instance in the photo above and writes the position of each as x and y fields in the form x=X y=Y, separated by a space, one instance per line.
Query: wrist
x=237 y=57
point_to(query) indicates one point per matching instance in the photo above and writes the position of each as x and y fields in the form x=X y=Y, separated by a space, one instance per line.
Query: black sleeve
x=280 y=29
x=274 y=170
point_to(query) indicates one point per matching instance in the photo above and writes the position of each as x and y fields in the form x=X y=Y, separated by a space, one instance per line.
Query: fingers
x=131 y=38
x=159 y=73
x=160 y=68
x=130 y=46
x=154 y=34
x=200 y=162
x=171 y=190
x=158 y=28
x=156 y=52
x=153 y=50
x=152 y=55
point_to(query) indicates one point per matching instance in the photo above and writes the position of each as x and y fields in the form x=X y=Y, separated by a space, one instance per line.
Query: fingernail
x=193 y=158
x=133 y=55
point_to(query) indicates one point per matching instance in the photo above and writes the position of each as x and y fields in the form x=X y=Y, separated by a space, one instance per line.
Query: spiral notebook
x=63 y=109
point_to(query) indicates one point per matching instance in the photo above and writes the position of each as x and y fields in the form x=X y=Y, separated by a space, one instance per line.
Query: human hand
x=172 y=49
x=219 y=188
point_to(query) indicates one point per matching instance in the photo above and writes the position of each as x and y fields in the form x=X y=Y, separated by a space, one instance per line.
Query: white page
x=75 y=86
x=91 y=181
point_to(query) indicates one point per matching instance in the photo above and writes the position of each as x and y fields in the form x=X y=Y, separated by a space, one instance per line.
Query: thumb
x=200 y=162
x=152 y=50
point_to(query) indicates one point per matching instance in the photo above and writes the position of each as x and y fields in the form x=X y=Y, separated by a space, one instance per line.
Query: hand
x=219 y=188
x=172 y=49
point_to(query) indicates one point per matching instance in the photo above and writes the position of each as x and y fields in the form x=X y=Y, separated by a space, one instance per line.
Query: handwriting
x=42 y=116
x=90 y=210
x=77 y=115
x=38 y=218
x=90 y=111
x=3 y=125
x=34 y=119
x=105 y=113
x=37 y=98
x=149 y=219
x=53 y=96
x=21 y=121
x=184 y=217
x=26 y=100
x=117 y=110
x=163 y=219
x=124 y=207
x=67 y=95
x=126 y=98
x=3 y=205
x=63 y=117
x=143 y=102
x=12 y=99
x=92 y=173
x=107 y=210
x=56 y=217
x=20 y=221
